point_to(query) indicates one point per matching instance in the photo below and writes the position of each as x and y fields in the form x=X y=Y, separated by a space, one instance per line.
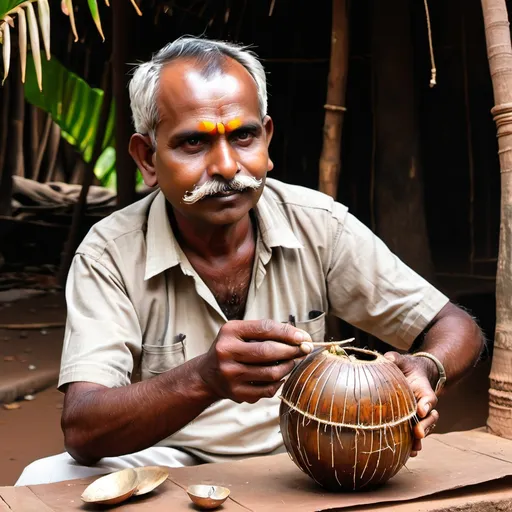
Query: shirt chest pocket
x=157 y=359
x=314 y=326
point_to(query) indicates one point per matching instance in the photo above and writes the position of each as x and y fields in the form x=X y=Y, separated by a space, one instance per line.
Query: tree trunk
x=334 y=107
x=42 y=148
x=499 y=52
x=78 y=174
x=35 y=139
x=53 y=151
x=123 y=38
x=400 y=212
x=4 y=123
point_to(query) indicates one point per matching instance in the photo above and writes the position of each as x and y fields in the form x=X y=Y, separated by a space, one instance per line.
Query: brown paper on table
x=446 y=462
x=275 y=484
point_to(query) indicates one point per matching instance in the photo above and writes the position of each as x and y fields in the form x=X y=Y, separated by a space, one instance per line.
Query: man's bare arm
x=102 y=422
x=456 y=340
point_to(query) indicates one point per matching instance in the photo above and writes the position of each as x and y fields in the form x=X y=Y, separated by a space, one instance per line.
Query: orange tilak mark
x=214 y=128
x=208 y=126
x=233 y=124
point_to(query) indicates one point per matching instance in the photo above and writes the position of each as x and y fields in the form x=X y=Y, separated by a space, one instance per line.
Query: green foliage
x=75 y=106
x=7 y=6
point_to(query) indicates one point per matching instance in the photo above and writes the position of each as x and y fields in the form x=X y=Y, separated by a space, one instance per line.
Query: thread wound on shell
x=376 y=426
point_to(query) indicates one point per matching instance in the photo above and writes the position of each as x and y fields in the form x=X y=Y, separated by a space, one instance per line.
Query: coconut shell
x=347 y=418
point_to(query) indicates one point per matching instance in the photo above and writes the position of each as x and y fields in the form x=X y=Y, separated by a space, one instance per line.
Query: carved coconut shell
x=347 y=418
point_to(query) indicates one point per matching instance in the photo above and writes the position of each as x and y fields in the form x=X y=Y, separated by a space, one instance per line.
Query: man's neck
x=211 y=242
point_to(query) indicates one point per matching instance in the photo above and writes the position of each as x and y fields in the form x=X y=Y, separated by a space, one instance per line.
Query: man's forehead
x=185 y=87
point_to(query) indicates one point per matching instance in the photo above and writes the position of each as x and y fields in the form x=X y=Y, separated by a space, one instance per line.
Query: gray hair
x=211 y=54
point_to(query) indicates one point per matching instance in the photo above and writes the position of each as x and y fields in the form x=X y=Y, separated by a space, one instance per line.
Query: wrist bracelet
x=440 y=368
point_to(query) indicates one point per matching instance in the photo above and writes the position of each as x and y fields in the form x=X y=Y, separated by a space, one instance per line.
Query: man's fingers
x=423 y=428
x=396 y=358
x=307 y=347
x=427 y=399
x=298 y=360
x=416 y=445
x=425 y=405
x=425 y=396
x=274 y=373
x=252 y=392
x=267 y=330
x=264 y=352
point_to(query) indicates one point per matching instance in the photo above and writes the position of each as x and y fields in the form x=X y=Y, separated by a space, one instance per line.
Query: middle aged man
x=190 y=289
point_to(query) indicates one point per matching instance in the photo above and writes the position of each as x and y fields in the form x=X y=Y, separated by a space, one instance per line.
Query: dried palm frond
x=22 y=12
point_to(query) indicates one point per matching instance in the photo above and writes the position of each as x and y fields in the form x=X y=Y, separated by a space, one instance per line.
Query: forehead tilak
x=221 y=128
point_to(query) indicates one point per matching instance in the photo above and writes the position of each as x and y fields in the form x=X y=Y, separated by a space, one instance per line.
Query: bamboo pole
x=499 y=53
x=334 y=107
x=123 y=26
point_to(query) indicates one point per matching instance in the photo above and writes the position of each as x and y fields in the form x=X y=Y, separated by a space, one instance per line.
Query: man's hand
x=249 y=359
x=420 y=373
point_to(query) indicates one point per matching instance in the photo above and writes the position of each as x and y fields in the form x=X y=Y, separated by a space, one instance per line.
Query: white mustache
x=237 y=184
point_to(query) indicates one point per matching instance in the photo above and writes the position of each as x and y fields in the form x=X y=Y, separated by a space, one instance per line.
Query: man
x=189 y=290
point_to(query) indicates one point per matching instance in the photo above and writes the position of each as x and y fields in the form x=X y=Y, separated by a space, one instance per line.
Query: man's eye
x=244 y=135
x=193 y=142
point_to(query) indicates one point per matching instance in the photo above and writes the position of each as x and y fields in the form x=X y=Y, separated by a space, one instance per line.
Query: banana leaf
x=105 y=168
x=8 y=5
x=75 y=106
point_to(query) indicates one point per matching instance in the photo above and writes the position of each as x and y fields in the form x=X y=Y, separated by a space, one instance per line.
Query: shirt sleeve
x=372 y=289
x=102 y=333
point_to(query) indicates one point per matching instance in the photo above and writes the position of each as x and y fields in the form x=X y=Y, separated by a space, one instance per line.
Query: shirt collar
x=162 y=248
x=163 y=251
x=274 y=227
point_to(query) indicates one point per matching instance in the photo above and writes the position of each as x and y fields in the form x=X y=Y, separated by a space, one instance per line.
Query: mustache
x=212 y=187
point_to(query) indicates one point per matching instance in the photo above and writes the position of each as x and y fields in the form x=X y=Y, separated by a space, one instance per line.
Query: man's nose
x=223 y=161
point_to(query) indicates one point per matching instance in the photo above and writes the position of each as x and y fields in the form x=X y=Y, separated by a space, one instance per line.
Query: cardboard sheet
x=447 y=462
x=275 y=484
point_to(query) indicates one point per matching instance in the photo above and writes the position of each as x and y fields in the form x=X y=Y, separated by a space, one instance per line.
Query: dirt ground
x=33 y=430
x=30 y=354
x=29 y=357
x=29 y=433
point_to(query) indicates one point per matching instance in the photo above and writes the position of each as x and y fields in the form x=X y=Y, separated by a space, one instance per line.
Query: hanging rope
x=431 y=47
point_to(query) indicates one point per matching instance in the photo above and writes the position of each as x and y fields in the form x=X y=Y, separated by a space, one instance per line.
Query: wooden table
x=469 y=471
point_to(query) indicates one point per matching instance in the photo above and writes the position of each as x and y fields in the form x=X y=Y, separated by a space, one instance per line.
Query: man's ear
x=268 y=124
x=141 y=149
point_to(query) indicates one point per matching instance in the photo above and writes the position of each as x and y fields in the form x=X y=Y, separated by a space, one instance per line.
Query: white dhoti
x=63 y=467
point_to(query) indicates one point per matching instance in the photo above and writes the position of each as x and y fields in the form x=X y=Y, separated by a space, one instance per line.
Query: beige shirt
x=132 y=293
